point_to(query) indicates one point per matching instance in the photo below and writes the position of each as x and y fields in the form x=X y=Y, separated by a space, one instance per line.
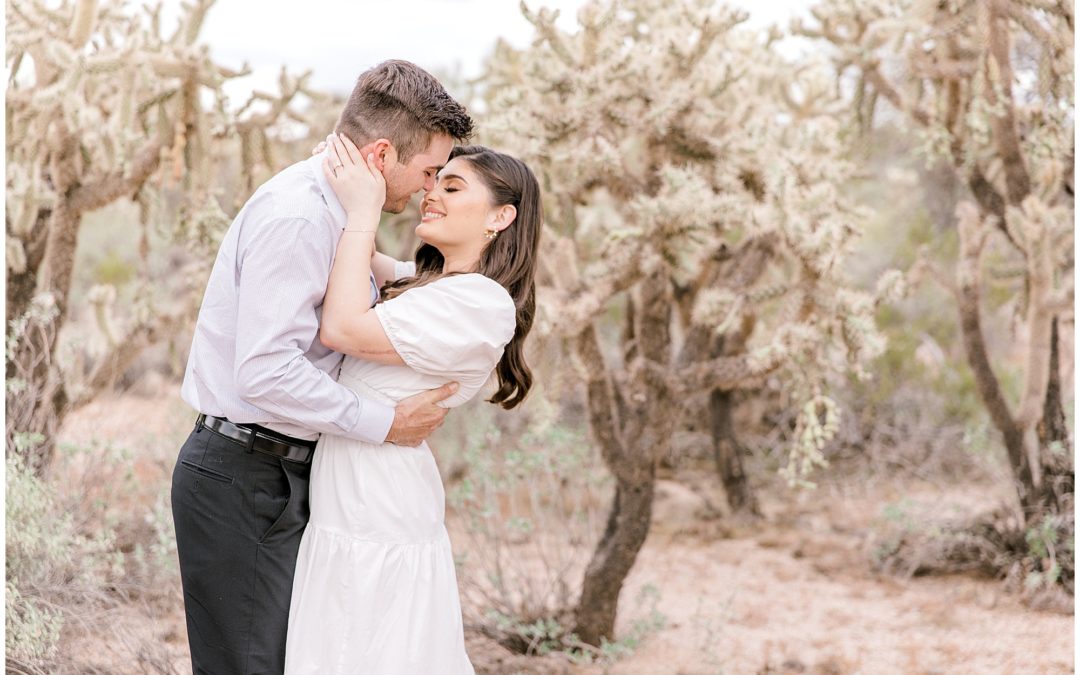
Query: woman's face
x=458 y=211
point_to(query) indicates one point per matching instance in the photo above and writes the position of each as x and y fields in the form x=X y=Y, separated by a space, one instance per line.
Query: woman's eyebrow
x=448 y=176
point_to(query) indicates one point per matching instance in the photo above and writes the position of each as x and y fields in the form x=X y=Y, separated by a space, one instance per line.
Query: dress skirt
x=375 y=590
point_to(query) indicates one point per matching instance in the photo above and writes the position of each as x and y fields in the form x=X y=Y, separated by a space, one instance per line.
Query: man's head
x=402 y=115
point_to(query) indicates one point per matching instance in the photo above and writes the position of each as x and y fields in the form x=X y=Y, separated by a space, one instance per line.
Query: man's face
x=405 y=180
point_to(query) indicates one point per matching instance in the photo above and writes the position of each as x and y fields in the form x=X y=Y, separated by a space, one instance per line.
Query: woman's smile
x=453 y=214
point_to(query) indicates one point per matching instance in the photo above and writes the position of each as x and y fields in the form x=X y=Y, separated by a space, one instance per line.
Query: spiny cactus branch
x=112 y=365
x=119 y=184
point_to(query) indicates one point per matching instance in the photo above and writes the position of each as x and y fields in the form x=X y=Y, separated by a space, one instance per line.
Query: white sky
x=338 y=39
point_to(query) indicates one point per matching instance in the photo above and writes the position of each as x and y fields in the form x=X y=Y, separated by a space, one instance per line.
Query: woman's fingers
x=346 y=152
x=340 y=153
x=328 y=170
x=347 y=176
x=336 y=174
x=350 y=148
x=374 y=168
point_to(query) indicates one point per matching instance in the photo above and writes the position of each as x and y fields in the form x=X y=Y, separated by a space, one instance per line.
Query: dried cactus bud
x=101 y=294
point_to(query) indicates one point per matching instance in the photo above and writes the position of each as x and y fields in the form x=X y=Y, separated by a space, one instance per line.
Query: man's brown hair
x=405 y=104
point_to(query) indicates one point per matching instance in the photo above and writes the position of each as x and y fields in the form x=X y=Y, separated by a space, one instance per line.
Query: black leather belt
x=256 y=438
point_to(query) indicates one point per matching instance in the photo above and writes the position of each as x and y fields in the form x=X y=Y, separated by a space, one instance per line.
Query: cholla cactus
x=102 y=106
x=989 y=86
x=690 y=170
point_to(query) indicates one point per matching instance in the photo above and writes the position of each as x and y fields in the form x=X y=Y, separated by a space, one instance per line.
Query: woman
x=375 y=589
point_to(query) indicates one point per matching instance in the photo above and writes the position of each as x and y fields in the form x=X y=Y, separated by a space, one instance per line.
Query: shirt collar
x=337 y=211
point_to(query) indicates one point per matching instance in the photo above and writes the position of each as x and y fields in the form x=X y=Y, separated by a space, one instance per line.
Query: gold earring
x=491 y=234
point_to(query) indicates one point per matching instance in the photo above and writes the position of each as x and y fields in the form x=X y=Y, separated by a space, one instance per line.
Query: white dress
x=375 y=590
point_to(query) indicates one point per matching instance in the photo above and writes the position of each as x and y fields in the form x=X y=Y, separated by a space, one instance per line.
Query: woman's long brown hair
x=509 y=259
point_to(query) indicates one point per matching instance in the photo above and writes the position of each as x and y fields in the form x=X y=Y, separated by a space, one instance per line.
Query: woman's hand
x=318 y=149
x=358 y=184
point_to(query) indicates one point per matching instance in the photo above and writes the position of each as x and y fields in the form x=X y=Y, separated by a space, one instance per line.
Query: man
x=264 y=384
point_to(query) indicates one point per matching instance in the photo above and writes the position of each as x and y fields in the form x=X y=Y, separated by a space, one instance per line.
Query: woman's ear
x=504 y=217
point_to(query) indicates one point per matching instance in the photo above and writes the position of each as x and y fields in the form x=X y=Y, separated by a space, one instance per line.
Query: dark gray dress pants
x=239 y=516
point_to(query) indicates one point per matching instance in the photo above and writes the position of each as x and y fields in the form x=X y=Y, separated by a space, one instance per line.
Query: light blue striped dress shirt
x=256 y=356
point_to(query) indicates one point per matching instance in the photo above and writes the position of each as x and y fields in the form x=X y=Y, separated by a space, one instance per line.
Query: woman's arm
x=382 y=265
x=349 y=325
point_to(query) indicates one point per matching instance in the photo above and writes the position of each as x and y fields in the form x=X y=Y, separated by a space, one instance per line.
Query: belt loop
x=251 y=441
x=199 y=423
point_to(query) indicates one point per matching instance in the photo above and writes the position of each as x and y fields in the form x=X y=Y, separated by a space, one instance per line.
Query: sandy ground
x=793 y=593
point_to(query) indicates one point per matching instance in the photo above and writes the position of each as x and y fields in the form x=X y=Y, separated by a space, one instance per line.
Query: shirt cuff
x=374 y=421
x=404 y=268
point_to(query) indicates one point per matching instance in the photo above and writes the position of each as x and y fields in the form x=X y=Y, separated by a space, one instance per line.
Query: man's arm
x=284 y=264
x=282 y=280
x=383 y=267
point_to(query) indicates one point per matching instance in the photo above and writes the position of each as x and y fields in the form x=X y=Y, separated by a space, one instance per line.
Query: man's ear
x=384 y=151
x=385 y=154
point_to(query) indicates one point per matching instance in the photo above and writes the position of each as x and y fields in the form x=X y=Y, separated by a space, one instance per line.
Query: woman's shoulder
x=451 y=325
x=475 y=286
x=478 y=300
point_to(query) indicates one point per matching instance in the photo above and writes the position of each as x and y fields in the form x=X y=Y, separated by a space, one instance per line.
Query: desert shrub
x=1051 y=553
x=54 y=569
x=528 y=492
x=86 y=546
x=1037 y=559
x=100 y=484
x=530 y=500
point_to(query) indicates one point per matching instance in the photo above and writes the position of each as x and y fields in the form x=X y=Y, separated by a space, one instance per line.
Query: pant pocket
x=270 y=498
x=206 y=473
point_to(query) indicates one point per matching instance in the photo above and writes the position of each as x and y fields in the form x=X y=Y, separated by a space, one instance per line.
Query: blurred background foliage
x=534 y=496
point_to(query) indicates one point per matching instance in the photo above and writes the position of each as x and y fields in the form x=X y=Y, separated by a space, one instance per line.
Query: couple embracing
x=307 y=504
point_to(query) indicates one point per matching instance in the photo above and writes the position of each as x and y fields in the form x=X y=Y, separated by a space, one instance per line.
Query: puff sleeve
x=455 y=327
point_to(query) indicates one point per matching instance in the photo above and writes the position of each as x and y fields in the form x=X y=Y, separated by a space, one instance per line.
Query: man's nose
x=429 y=183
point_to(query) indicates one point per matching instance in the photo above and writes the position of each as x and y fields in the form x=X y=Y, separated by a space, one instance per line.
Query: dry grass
x=114 y=471
x=793 y=593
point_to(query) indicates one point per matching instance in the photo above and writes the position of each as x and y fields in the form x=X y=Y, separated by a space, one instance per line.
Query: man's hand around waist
x=416 y=417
